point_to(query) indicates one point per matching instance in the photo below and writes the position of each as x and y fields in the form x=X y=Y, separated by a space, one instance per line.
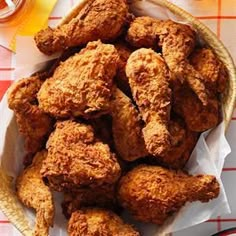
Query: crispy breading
x=77 y=159
x=182 y=143
x=98 y=222
x=153 y=193
x=98 y=19
x=144 y=32
x=213 y=71
x=177 y=42
x=127 y=128
x=33 y=123
x=103 y=196
x=81 y=86
x=33 y=193
x=149 y=81
x=197 y=117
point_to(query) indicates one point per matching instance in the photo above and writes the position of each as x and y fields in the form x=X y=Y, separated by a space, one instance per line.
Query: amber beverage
x=9 y=9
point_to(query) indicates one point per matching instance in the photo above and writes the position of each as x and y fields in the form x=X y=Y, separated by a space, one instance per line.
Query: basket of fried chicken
x=126 y=125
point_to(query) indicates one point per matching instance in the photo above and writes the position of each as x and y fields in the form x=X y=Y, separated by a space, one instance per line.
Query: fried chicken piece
x=103 y=196
x=127 y=128
x=98 y=19
x=177 y=42
x=153 y=193
x=33 y=123
x=98 y=222
x=149 y=81
x=81 y=86
x=197 y=117
x=77 y=159
x=121 y=79
x=144 y=32
x=33 y=193
x=182 y=143
x=214 y=73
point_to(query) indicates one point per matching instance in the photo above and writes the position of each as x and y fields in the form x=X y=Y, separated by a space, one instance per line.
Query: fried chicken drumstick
x=98 y=19
x=81 y=86
x=77 y=159
x=33 y=193
x=152 y=193
x=177 y=42
x=149 y=81
x=198 y=117
x=98 y=222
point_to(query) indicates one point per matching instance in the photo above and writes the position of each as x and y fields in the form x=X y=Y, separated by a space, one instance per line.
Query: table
x=220 y=17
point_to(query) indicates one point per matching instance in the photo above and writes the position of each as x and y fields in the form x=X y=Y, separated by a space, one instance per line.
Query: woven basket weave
x=8 y=201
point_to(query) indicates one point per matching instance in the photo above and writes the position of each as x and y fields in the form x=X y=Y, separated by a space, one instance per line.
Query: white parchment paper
x=207 y=158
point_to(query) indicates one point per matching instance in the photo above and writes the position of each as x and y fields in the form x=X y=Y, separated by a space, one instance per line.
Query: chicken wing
x=76 y=159
x=33 y=193
x=177 y=42
x=81 y=86
x=98 y=19
x=149 y=81
x=152 y=193
x=197 y=117
x=98 y=222
x=33 y=123
x=214 y=73
x=127 y=128
x=103 y=196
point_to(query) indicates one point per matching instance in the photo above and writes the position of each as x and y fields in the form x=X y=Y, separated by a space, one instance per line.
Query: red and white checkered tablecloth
x=220 y=17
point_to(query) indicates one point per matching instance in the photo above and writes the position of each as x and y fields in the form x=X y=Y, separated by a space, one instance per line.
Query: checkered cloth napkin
x=220 y=17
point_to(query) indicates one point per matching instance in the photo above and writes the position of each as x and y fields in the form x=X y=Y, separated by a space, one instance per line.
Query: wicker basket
x=8 y=201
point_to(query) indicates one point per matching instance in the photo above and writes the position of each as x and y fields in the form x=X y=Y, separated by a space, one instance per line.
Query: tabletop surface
x=220 y=17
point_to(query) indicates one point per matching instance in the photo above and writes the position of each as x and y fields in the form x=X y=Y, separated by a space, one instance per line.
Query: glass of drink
x=8 y=8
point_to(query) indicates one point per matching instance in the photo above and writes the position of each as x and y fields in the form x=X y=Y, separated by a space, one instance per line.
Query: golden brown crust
x=81 y=86
x=143 y=32
x=76 y=159
x=182 y=143
x=103 y=196
x=33 y=123
x=33 y=193
x=149 y=81
x=213 y=71
x=177 y=42
x=98 y=19
x=127 y=128
x=152 y=193
x=98 y=222
x=197 y=117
